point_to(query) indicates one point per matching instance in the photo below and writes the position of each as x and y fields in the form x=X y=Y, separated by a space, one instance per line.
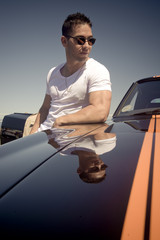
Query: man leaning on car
x=79 y=90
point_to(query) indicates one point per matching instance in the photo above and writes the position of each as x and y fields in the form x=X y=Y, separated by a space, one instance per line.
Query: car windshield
x=143 y=98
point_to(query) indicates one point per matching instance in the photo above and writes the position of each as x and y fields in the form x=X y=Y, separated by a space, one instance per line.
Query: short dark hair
x=73 y=20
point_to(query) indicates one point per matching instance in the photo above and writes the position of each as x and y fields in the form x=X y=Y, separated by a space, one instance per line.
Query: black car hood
x=53 y=201
x=19 y=158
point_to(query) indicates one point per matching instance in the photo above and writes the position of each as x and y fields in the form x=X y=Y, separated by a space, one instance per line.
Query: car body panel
x=54 y=186
x=15 y=121
x=67 y=205
x=13 y=126
x=18 y=164
x=15 y=165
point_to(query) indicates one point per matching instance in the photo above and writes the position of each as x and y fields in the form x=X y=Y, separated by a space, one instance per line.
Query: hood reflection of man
x=88 y=149
x=91 y=168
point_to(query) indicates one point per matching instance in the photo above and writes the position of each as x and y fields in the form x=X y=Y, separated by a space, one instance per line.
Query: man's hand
x=57 y=122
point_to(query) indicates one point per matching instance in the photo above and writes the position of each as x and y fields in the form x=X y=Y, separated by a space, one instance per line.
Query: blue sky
x=128 y=44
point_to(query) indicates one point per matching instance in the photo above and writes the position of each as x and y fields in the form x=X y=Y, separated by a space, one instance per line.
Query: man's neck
x=70 y=68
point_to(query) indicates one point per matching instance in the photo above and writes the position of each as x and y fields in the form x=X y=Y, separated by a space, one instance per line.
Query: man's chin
x=83 y=57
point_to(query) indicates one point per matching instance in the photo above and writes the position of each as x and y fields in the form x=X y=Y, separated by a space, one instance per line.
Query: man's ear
x=64 y=41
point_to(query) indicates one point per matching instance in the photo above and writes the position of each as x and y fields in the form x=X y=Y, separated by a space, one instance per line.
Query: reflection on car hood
x=85 y=186
x=21 y=157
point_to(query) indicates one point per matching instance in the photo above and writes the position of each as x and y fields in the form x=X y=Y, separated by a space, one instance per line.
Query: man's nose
x=86 y=44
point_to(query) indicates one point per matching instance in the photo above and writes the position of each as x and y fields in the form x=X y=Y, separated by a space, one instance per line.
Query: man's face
x=74 y=51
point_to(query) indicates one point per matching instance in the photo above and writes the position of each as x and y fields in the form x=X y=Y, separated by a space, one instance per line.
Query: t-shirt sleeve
x=48 y=80
x=105 y=145
x=99 y=79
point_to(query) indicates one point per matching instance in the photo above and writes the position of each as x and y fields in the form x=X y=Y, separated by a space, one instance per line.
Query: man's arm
x=96 y=111
x=42 y=114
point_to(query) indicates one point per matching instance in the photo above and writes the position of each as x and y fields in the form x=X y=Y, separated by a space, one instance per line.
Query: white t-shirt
x=91 y=145
x=87 y=143
x=70 y=94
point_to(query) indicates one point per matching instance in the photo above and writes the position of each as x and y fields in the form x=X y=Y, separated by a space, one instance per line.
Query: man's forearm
x=89 y=114
x=97 y=111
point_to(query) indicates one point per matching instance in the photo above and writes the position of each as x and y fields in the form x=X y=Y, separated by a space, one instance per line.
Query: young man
x=78 y=91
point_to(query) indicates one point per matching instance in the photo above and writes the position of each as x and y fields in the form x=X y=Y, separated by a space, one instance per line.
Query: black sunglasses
x=82 y=40
x=97 y=169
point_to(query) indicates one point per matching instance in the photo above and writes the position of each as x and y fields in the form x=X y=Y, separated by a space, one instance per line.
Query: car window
x=143 y=96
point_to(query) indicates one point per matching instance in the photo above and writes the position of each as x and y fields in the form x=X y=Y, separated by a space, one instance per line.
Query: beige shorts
x=29 y=124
